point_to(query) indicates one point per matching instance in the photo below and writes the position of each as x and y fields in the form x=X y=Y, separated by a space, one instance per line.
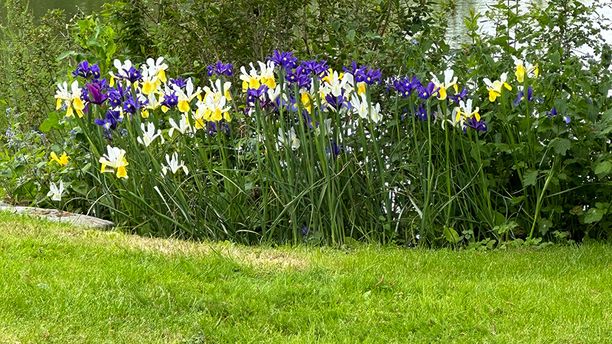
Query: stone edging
x=59 y=216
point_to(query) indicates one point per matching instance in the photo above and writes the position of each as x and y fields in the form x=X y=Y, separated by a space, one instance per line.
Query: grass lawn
x=60 y=284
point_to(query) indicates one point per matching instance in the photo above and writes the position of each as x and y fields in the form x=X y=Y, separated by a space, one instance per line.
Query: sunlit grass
x=66 y=285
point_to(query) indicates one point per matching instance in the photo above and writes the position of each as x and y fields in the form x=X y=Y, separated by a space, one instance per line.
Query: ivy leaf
x=561 y=146
x=530 y=178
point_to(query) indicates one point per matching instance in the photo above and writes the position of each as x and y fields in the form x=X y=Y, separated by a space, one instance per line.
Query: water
x=456 y=28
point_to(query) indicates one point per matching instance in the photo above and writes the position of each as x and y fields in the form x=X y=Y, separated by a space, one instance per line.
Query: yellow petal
x=78 y=104
x=507 y=86
x=442 y=93
x=54 y=157
x=121 y=172
x=183 y=106
x=148 y=87
x=58 y=104
x=361 y=88
x=477 y=116
x=520 y=73
x=162 y=75
x=493 y=95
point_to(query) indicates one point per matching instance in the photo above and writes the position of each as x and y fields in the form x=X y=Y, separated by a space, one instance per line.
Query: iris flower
x=465 y=112
x=86 y=70
x=285 y=59
x=365 y=110
x=220 y=68
x=114 y=161
x=254 y=78
x=71 y=99
x=525 y=69
x=495 y=87
x=174 y=165
x=186 y=96
x=156 y=68
x=449 y=82
x=149 y=134
x=288 y=139
x=183 y=126
x=110 y=120
x=125 y=71
x=56 y=191
x=61 y=160
x=337 y=84
x=94 y=92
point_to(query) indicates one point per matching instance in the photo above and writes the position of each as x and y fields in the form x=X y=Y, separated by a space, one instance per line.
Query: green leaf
x=561 y=146
x=603 y=168
x=545 y=225
x=451 y=235
x=594 y=215
x=530 y=178
x=50 y=123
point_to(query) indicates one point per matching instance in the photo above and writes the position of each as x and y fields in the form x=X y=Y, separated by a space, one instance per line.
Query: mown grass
x=60 y=284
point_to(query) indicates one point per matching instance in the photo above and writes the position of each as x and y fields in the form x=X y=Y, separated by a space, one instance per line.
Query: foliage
x=28 y=64
x=308 y=153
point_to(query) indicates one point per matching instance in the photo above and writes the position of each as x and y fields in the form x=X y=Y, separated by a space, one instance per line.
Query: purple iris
x=96 y=91
x=521 y=94
x=364 y=73
x=334 y=149
x=253 y=95
x=405 y=86
x=220 y=68
x=170 y=100
x=178 y=82
x=421 y=113
x=110 y=120
x=133 y=74
x=285 y=59
x=336 y=103
x=130 y=106
x=456 y=98
x=116 y=95
x=319 y=68
x=86 y=70
x=303 y=80
x=476 y=125
x=529 y=93
x=519 y=97
x=213 y=128
x=425 y=92
x=567 y=119
x=553 y=112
